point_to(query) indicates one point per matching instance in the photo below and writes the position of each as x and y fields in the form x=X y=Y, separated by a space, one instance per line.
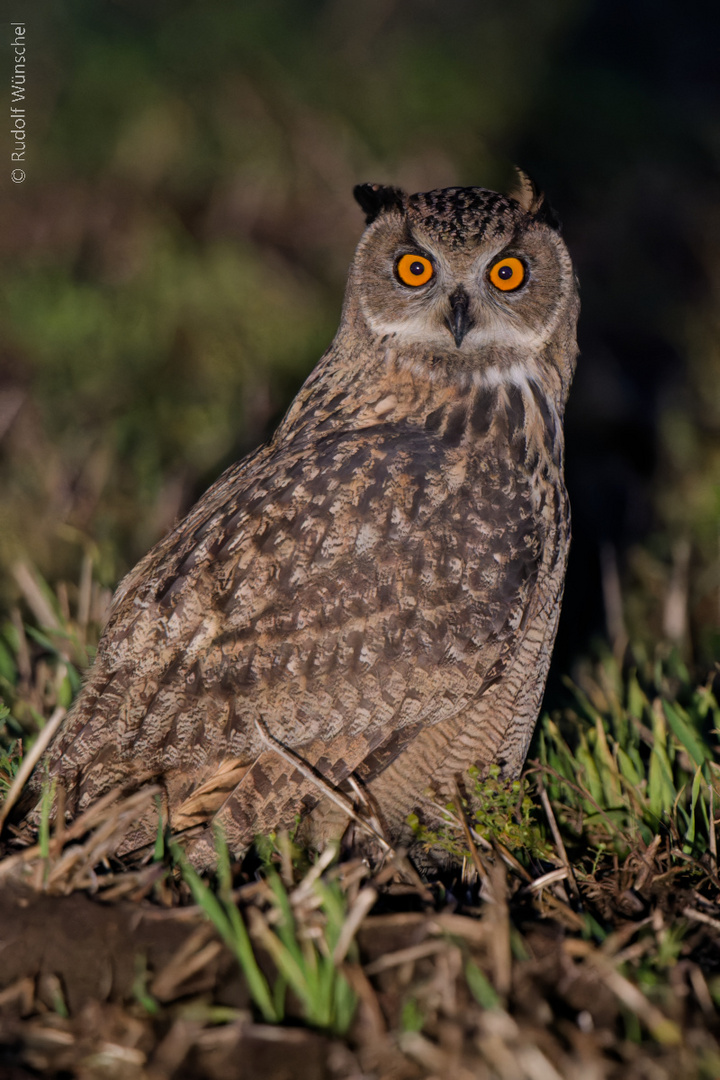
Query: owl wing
x=323 y=593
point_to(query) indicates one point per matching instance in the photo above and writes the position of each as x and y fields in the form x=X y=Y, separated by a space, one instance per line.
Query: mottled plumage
x=375 y=590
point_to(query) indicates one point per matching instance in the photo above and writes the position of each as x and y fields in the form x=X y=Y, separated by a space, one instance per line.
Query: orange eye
x=414 y=270
x=508 y=274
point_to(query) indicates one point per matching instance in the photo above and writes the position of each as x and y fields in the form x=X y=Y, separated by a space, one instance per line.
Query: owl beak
x=459 y=321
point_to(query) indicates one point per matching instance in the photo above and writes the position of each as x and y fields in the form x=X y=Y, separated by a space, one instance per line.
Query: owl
x=365 y=606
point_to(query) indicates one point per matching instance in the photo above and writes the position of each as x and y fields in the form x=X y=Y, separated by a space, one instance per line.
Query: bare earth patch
x=111 y=970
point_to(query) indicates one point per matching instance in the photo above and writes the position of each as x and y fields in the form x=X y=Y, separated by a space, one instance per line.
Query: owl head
x=467 y=281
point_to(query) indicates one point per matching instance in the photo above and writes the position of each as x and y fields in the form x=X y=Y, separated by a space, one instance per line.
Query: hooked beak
x=458 y=321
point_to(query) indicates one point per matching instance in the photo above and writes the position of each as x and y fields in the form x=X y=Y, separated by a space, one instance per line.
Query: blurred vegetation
x=174 y=263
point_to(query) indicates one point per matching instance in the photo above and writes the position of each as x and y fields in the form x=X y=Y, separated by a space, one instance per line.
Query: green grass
x=10 y=753
x=223 y=913
x=631 y=757
x=302 y=964
x=634 y=756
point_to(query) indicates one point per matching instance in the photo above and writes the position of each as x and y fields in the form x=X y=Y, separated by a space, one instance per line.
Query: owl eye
x=414 y=270
x=507 y=274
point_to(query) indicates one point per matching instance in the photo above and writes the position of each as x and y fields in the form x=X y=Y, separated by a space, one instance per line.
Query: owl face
x=463 y=271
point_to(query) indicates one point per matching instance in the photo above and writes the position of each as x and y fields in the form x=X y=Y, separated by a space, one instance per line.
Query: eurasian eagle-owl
x=372 y=596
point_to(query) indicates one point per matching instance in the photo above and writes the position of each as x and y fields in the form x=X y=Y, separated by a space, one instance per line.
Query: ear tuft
x=532 y=200
x=526 y=192
x=375 y=199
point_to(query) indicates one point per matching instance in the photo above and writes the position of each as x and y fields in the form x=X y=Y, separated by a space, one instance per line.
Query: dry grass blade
x=510 y=1056
x=648 y=860
x=701 y=917
x=469 y=839
x=30 y=761
x=134 y=884
x=364 y=902
x=550 y=878
x=198 y=951
x=107 y=822
x=34 y=597
x=75 y=868
x=399 y=867
x=406 y=956
x=663 y=1030
x=174 y=1048
x=475 y=931
x=497 y=914
x=366 y=995
x=434 y=1058
x=305 y=890
x=557 y=837
x=701 y=992
x=20 y=993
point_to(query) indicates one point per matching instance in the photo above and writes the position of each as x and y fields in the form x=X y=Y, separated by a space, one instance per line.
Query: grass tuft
x=303 y=960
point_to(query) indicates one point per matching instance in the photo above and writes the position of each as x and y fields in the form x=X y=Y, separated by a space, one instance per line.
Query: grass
x=307 y=962
x=10 y=754
x=227 y=920
x=645 y=750
x=602 y=858
x=630 y=759
x=634 y=757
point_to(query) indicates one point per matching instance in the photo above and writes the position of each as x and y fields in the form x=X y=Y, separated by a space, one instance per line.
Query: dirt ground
x=112 y=971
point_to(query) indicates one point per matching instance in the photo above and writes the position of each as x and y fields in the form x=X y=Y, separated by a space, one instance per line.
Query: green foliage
x=505 y=811
x=307 y=966
x=634 y=756
x=631 y=758
x=223 y=913
x=10 y=754
x=412 y=1017
x=41 y=664
x=280 y=846
x=498 y=810
x=480 y=987
x=140 y=991
x=658 y=961
x=303 y=963
x=46 y=805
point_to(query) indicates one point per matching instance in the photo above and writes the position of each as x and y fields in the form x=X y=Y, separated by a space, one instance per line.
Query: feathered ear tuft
x=532 y=200
x=375 y=199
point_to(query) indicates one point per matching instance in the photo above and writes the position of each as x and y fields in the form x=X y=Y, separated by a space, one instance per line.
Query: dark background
x=173 y=265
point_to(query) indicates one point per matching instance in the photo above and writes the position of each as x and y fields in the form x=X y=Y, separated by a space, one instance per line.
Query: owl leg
x=281 y=787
